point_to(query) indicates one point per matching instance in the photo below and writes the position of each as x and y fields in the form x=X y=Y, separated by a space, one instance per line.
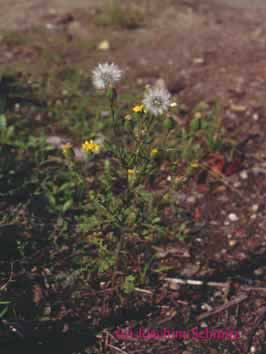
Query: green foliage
x=92 y=211
x=117 y=15
x=6 y=132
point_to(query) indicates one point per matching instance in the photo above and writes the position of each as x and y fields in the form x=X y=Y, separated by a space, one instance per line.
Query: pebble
x=244 y=175
x=232 y=243
x=17 y=107
x=237 y=184
x=191 y=200
x=238 y=108
x=206 y=307
x=255 y=116
x=104 y=45
x=233 y=217
x=50 y=26
x=255 y=208
x=198 y=61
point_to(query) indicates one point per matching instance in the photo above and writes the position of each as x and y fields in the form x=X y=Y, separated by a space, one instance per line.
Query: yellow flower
x=131 y=172
x=91 y=146
x=138 y=108
x=154 y=152
x=194 y=164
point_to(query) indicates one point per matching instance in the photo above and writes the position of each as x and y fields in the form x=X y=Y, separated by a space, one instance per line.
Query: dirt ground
x=203 y=50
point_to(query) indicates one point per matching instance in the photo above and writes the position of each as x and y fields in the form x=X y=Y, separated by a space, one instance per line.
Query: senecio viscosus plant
x=140 y=128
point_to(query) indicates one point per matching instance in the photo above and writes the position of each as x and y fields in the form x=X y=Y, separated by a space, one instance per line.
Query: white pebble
x=232 y=243
x=244 y=175
x=255 y=116
x=255 y=208
x=233 y=217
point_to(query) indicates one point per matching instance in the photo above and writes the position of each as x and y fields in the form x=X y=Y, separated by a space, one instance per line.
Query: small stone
x=50 y=26
x=233 y=217
x=259 y=271
x=198 y=61
x=232 y=243
x=255 y=116
x=244 y=175
x=206 y=307
x=17 y=107
x=203 y=325
x=238 y=108
x=104 y=45
x=255 y=208
x=191 y=200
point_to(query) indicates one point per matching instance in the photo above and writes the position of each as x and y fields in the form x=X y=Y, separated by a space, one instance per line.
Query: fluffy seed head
x=106 y=75
x=157 y=100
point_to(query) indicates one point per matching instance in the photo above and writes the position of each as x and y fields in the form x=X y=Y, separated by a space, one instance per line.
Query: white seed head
x=157 y=100
x=106 y=75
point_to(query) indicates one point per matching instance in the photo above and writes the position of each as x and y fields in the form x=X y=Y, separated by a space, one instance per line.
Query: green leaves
x=129 y=284
x=3 y=308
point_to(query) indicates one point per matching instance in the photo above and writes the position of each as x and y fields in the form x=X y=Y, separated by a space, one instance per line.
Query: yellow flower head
x=131 y=175
x=194 y=164
x=138 y=108
x=91 y=146
x=131 y=172
x=154 y=152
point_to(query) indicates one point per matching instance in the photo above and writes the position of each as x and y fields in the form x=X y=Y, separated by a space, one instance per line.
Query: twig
x=178 y=281
x=248 y=288
x=117 y=349
x=3 y=287
x=221 y=308
x=144 y=291
x=222 y=178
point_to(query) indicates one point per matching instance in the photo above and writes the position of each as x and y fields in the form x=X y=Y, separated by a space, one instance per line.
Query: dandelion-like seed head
x=106 y=75
x=157 y=100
